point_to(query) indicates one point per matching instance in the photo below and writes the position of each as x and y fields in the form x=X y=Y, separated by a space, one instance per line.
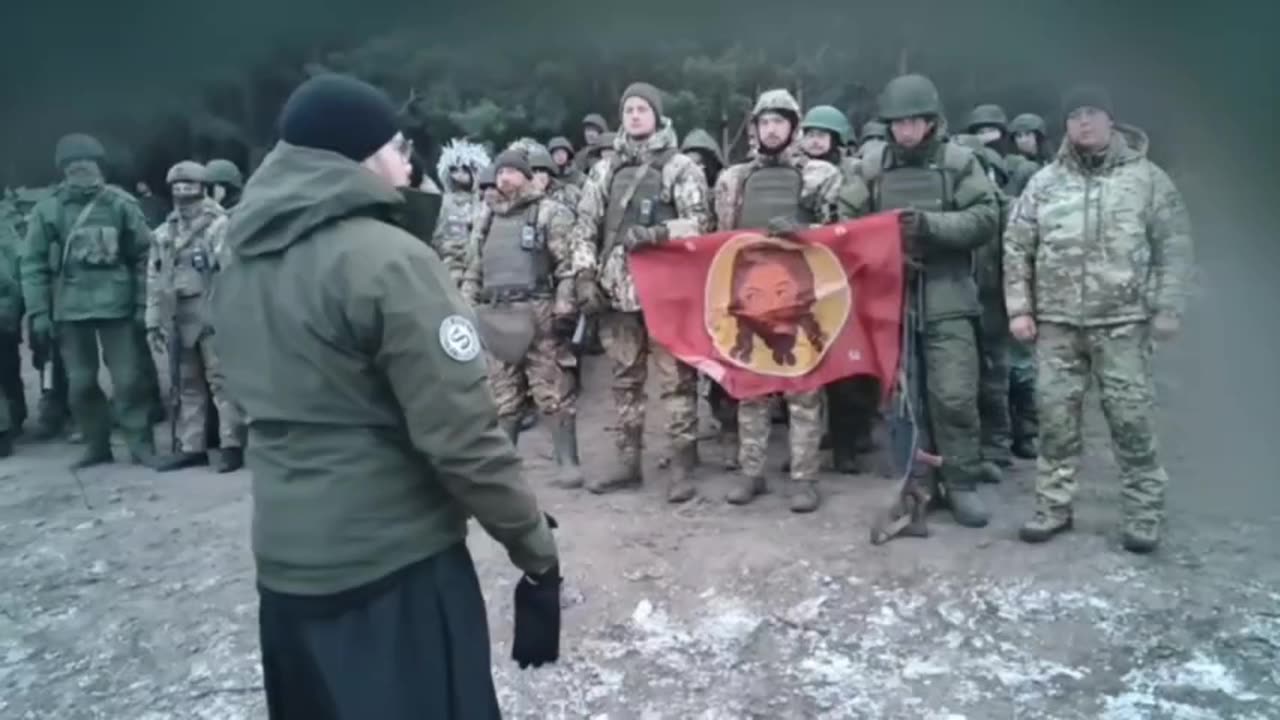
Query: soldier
x=152 y=207
x=873 y=130
x=851 y=403
x=562 y=153
x=593 y=126
x=185 y=253
x=84 y=282
x=645 y=196
x=989 y=123
x=780 y=189
x=607 y=149
x=12 y=413
x=546 y=175
x=459 y=163
x=519 y=277
x=993 y=338
x=487 y=183
x=1031 y=144
x=1098 y=257
x=373 y=434
x=225 y=182
x=949 y=209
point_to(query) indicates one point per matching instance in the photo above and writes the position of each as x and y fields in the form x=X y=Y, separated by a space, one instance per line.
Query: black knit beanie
x=645 y=92
x=1092 y=96
x=514 y=159
x=341 y=114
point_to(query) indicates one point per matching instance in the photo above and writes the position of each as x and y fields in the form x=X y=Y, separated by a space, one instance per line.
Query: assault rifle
x=910 y=437
x=175 y=383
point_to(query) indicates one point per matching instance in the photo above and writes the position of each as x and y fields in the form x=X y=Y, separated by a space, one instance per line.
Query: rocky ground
x=128 y=594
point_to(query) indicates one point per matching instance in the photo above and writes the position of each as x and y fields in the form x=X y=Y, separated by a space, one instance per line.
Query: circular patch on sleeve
x=459 y=339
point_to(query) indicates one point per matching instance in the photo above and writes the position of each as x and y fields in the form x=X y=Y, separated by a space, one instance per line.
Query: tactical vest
x=772 y=191
x=514 y=255
x=643 y=207
x=926 y=189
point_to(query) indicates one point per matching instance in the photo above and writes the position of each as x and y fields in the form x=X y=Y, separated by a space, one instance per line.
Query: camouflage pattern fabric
x=1099 y=246
x=754 y=423
x=820 y=184
x=540 y=376
x=1118 y=357
x=683 y=184
x=201 y=381
x=627 y=343
x=458 y=210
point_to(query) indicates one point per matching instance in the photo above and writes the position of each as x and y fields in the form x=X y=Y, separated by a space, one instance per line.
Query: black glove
x=914 y=229
x=536 y=638
x=563 y=326
x=784 y=227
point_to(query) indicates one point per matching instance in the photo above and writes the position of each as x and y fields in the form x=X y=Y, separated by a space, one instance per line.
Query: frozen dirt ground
x=135 y=600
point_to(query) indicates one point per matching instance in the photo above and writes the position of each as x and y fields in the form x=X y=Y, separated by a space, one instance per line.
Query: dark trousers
x=411 y=646
x=11 y=377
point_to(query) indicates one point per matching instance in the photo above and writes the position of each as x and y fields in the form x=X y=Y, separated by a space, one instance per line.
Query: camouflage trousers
x=1023 y=419
x=993 y=381
x=1119 y=358
x=627 y=343
x=950 y=350
x=201 y=384
x=542 y=376
x=805 y=433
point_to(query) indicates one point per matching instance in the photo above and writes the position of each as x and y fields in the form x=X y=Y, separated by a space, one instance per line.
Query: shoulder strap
x=80 y=220
x=657 y=163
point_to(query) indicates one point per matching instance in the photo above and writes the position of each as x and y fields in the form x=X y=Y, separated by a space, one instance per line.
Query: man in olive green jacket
x=10 y=327
x=373 y=436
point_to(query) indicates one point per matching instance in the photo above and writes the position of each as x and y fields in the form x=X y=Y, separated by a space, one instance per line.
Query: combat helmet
x=597 y=120
x=487 y=177
x=1028 y=122
x=908 y=96
x=988 y=116
x=188 y=171
x=826 y=117
x=699 y=139
x=778 y=100
x=223 y=172
x=540 y=159
x=874 y=130
x=77 y=146
x=560 y=143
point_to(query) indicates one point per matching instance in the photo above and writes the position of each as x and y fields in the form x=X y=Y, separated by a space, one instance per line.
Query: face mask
x=84 y=174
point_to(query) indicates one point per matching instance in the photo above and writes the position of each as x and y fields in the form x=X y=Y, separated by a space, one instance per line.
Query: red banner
x=761 y=314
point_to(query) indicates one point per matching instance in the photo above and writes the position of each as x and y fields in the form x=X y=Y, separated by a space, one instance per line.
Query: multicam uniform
x=459 y=206
x=793 y=187
x=647 y=184
x=1097 y=247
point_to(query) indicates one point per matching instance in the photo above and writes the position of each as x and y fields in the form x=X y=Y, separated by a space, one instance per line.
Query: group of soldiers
x=1080 y=254
x=1001 y=231
x=99 y=280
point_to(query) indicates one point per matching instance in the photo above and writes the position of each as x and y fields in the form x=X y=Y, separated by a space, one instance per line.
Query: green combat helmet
x=826 y=117
x=224 y=172
x=560 y=143
x=988 y=116
x=487 y=177
x=700 y=139
x=873 y=130
x=1027 y=122
x=77 y=146
x=597 y=120
x=779 y=101
x=908 y=96
x=540 y=159
x=188 y=171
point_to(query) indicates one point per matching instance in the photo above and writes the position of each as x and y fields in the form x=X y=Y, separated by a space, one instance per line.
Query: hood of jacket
x=298 y=189
x=1128 y=144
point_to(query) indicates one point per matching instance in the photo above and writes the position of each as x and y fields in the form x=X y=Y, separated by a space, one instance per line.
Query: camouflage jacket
x=85 y=256
x=458 y=209
x=683 y=184
x=820 y=183
x=184 y=256
x=565 y=193
x=554 y=223
x=10 y=279
x=1101 y=246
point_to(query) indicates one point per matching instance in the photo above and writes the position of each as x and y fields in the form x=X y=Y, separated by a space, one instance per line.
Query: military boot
x=1045 y=524
x=804 y=496
x=1141 y=535
x=6 y=444
x=845 y=459
x=745 y=489
x=94 y=455
x=729 y=448
x=229 y=460
x=564 y=439
x=967 y=507
x=680 y=485
x=989 y=472
x=626 y=471
x=1024 y=448
x=180 y=461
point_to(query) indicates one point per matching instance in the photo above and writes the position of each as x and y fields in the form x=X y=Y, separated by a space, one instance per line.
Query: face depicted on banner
x=773 y=306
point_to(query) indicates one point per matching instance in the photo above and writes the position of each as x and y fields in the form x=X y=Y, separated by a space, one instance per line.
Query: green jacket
x=86 y=265
x=953 y=235
x=373 y=434
x=10 y=282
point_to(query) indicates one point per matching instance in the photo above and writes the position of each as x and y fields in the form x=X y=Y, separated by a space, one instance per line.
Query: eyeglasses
x=405 y=147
